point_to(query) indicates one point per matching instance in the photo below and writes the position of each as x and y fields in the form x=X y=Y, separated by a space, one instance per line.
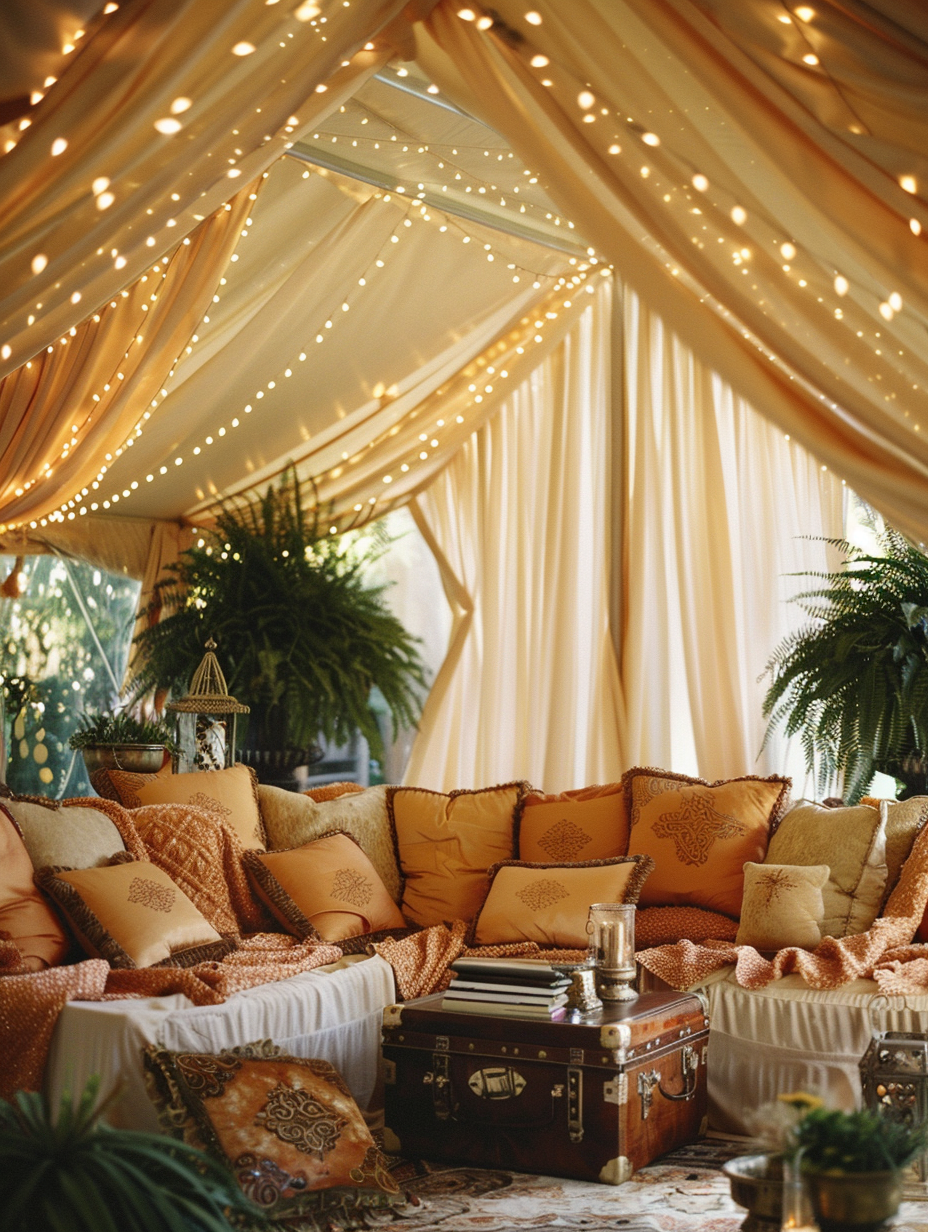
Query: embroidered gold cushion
x=446 y=845
x=700 y=835
x=550 y=903
x=326 y=889
x=782 y=906
x=287 y=1127
x=133 y=915
x=852 y=842
x=230 y=796
x=590 y=823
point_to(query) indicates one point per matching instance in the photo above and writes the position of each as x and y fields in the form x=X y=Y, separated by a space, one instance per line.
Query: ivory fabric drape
x=765 y=237
x=73 y=408
x=722 y=510
x=162 y=110
x=530 y=686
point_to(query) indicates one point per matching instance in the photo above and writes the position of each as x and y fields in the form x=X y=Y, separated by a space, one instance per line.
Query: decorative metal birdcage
x=205 y=719
x=894 y=1076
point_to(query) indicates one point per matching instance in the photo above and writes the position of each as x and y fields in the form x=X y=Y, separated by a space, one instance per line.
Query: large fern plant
x=303 y=639
x=69 y=1173
x=853 y=683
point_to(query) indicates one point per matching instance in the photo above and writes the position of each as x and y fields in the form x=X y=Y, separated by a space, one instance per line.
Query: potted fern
x=117 y=740
x=71 y=1173
x=853 y=683
x=302 y=637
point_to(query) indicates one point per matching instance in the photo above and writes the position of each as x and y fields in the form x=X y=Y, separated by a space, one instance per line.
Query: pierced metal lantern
x=205 y=719
x=894 y=1079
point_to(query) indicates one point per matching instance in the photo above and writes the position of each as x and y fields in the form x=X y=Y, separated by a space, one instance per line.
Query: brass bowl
x=854 y=1201
x=757 y=1184
x=137 y=758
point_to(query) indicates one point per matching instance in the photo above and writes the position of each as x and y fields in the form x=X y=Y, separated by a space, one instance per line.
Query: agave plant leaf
x=853 y=682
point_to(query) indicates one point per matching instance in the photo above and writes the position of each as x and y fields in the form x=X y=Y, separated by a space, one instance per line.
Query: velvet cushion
x=230 y=795
x=292 y=819
x=590 y=823
x=782 y=906
x=25 y=916
x=447 y=844
x=69 y=836
x=852 y=843
x=132 y=914
x=326 y=889
x=550 y=903
x=700 y=835
x=287 y=1127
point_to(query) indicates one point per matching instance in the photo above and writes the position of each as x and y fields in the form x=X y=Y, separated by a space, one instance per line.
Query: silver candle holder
x=611 y=929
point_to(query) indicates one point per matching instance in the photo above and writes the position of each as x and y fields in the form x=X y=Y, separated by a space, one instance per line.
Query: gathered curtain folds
x=722 y=513
x=520 y=517
x=93 y=143
x=78 y=401
x=845 y=374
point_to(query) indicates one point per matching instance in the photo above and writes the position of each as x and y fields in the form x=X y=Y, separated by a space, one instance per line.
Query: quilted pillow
x=447 y=844
x=327 y=889
x=783 y=906
x=852 y=843
x=25 y=916
x=550 y=903
x=133 y=915
x=700 y=835
x=590 y=823
x=229 y=795
x=287 y=1127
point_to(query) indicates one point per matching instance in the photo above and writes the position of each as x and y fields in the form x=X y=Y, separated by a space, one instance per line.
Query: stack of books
x=513 y=987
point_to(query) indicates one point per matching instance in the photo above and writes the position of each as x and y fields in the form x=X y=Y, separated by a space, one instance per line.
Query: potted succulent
x=117 y=740
x=303 y=639
x=71 y=1173
x=853 y=683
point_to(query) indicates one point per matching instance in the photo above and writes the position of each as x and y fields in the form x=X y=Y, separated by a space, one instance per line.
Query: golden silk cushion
x=446 y=845
x=903 y=822
x=783 y=906
x=700 y=835
x=590 y=823
x=132 y=914
x=852 y=842
x=326 y=889
x=229 y=795
x=70 y=836
x=25 y=916
x=287 y=1127
x=550 y=903
x=292 y=819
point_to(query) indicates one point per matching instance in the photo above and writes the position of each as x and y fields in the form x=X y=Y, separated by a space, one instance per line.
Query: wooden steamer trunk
x=592 y=1098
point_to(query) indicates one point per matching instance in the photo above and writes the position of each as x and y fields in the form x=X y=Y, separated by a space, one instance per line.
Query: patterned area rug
x=683 y=1192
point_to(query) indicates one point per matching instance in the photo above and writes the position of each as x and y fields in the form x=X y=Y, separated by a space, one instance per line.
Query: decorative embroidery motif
x=771 y=885
x=298 y=1118
x=373 y=1170
x=150 y=894
x=202 y=801
x=543 y=893
x=207 y=1076
x=350 y=886
x=696 y=826
x=127 y=786
x=564 y=841
x=266 y=1182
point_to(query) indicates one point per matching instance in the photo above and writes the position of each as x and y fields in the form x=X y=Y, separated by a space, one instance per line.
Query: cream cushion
x=852 y=842
x=292 y=820
x=782 y=906
x=71 y=837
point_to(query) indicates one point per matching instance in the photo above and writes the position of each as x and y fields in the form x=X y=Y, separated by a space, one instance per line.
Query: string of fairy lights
x=92 y=499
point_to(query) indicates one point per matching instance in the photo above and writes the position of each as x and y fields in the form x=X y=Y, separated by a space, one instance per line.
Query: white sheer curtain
x=720 y=504
x=520 y=521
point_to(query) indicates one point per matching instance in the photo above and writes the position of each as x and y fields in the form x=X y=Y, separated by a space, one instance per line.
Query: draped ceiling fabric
x=754 y=173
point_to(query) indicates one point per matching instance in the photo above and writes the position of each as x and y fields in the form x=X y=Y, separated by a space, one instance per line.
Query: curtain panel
x=764 y=237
